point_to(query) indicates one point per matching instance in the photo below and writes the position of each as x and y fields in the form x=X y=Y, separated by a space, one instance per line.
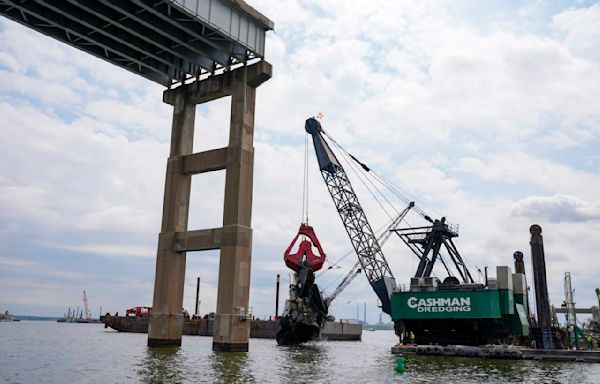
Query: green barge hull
x=453 y=314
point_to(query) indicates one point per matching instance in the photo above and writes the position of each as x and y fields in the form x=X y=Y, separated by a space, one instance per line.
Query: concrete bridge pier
x=234 y=238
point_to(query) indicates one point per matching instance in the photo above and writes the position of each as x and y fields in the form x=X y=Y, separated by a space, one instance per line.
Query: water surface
x=49 y=352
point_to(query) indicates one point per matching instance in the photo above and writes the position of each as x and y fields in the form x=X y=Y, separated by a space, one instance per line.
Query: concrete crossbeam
x=200 y=240
x=579 y=311
x=213 y=238
x=207 y=161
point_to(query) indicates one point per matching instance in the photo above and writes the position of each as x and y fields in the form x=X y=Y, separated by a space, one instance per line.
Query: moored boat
x=6 y=316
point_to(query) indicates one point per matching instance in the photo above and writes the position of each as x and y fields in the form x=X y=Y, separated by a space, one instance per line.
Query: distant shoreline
x=35 y=318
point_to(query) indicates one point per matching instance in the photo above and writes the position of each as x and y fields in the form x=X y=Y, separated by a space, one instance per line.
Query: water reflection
x=471 y=370
x=161 y=365
x=231 y=367
x=305 y=360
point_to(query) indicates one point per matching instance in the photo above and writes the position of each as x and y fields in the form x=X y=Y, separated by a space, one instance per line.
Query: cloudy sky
x=485 y=112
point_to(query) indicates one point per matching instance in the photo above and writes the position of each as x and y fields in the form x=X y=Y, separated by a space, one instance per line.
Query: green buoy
x=400 y=365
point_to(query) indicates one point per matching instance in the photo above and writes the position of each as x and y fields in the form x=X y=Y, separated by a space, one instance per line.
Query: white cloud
x=435 y=79
x=8 y=262
x=73 y=172
x=143 y=117
x=110 y=250
x=51 y=93
x=557 y=208
x=580 y=30
x=29 y=203
x=516 y=168
x=121 y=218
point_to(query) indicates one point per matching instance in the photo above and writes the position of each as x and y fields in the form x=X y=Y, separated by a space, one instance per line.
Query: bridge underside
x=168 y=41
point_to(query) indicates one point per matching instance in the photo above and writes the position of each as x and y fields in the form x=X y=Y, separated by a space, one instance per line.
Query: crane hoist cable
x=386 y=183
x=364 y=178
x=304 y=215
x=367 y=187
x=369 y=173
x=362 y=165
x=368 y=176
x=395 y=191
x=357 y=295
x=304 y=256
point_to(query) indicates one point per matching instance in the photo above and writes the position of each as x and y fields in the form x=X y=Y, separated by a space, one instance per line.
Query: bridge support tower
x=234 y=238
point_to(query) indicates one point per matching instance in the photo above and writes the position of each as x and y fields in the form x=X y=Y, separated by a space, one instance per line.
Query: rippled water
x=48 y=352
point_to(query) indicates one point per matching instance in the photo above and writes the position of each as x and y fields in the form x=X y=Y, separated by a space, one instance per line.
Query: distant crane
x=575 y=333
x=570 y=310
x=88 y=314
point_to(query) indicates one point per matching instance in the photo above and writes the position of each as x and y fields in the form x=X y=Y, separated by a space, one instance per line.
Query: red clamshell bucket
x=305 y=254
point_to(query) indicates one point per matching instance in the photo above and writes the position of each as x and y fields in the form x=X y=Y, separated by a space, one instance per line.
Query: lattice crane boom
x=354 y=271
x=353 y=217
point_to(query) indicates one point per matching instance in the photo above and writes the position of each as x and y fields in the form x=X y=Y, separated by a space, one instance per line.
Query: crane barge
x=455 y=310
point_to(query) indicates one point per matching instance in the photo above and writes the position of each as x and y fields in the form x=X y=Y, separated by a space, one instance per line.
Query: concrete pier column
x=166 y=320
x=232 y=322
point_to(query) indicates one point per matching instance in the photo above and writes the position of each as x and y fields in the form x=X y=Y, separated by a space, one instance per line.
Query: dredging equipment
x=455 y=310
x=305 y=310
